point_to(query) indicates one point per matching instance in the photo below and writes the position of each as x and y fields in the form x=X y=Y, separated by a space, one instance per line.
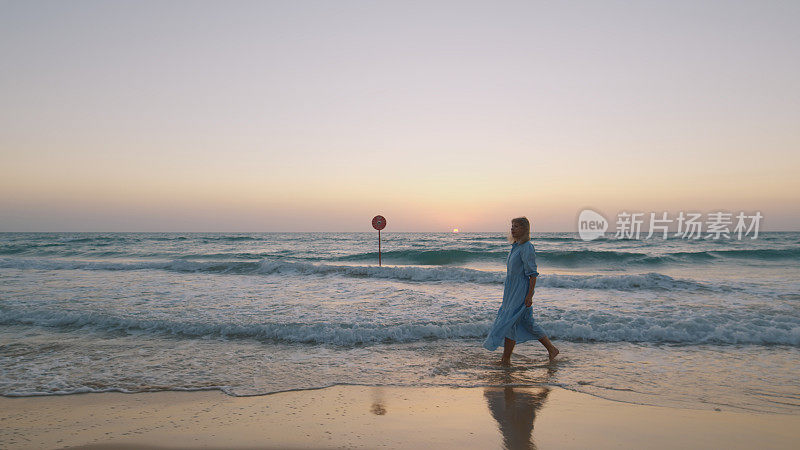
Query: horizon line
x=362 y=231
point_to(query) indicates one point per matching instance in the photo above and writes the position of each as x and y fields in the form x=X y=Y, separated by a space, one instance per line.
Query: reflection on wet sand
x=378 y=404
x=514 y=407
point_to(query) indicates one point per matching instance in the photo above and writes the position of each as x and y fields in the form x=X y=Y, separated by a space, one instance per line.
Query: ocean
x=704 y=324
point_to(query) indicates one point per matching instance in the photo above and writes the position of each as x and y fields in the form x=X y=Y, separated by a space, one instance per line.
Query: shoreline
x=357 y=416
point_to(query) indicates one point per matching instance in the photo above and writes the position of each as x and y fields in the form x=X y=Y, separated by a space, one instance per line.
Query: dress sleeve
x=529 y=260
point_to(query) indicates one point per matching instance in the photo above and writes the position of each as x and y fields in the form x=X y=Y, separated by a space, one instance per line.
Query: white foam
x=650 y=280
x=573 y=325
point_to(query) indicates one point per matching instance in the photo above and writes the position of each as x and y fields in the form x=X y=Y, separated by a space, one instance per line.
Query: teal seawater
x=692 y=323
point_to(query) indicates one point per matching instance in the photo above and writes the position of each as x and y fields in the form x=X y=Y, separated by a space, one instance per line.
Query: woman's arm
x=529 y=297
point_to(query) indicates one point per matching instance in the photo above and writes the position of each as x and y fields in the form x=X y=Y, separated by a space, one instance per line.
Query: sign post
x=379 y=223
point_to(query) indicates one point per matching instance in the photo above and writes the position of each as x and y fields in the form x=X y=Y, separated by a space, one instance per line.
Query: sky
x=318 y=115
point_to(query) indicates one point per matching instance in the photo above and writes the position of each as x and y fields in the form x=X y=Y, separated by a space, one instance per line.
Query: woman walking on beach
x=514 y=322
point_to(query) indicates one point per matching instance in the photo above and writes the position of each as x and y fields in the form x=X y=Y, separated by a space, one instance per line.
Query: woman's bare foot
x=551 y=349
x=503 y=362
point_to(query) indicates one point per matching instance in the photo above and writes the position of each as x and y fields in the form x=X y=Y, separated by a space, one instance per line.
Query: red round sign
x=378 y=222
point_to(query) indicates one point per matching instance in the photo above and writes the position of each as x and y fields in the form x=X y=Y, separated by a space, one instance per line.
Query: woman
x=514 y=322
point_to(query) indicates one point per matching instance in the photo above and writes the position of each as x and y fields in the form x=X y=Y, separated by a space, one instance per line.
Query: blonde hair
x=526 y=224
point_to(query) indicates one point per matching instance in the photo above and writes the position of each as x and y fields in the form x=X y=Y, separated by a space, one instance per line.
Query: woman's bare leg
x=551 y=349
x=508 y=347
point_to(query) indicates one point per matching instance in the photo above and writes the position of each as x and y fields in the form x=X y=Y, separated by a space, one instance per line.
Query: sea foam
x=651 y=280
x=572 y=325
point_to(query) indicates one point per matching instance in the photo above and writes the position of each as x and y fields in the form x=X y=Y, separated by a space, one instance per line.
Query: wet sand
x=379 y=417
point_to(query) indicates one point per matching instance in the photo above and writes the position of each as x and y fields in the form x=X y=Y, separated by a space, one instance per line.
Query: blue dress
x=514 y=319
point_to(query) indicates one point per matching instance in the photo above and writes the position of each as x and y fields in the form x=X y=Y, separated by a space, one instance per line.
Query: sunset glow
x=271 y=118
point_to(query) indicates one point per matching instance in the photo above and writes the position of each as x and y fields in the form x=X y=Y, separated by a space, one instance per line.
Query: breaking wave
x=650 y=280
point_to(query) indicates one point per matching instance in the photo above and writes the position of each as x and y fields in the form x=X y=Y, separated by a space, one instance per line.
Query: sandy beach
x=379 y=417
